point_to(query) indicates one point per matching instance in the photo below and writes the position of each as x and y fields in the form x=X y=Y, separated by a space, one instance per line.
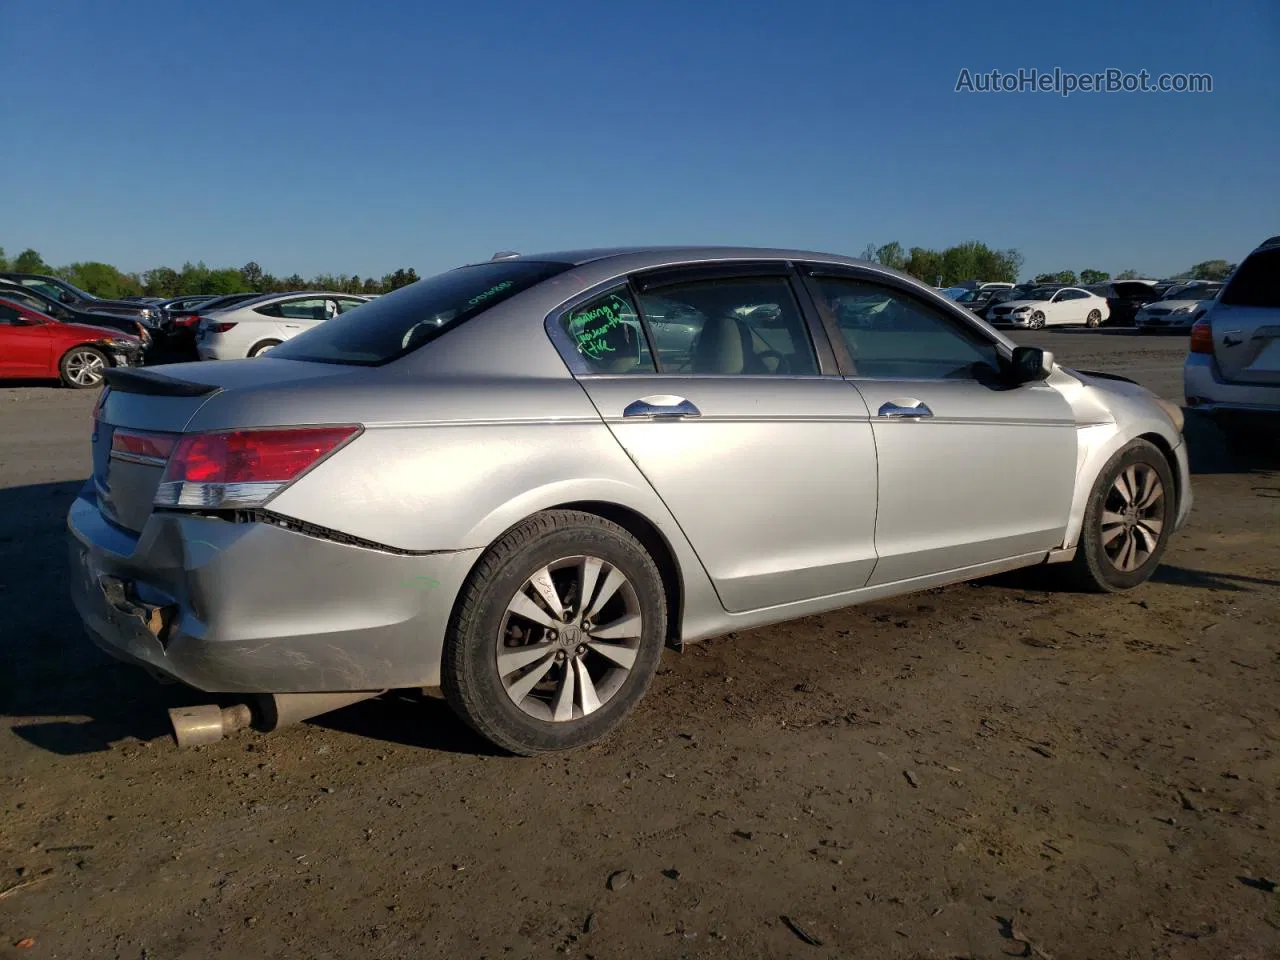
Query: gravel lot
x=984 y=770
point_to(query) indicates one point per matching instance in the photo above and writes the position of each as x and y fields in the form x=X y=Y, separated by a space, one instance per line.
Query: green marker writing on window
x=590 y=328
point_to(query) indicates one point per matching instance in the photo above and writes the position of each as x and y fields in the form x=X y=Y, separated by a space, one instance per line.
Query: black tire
x=1037 y=321
x=73 y=362
x=1094 y=319
x=469 y=672
x=1092 y=569
x=260 y=348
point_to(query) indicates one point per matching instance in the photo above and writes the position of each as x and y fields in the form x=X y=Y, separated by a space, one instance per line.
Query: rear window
x=400 y=322
x=1256 y=282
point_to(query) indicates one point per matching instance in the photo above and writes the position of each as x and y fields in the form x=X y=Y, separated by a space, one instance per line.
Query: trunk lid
x=162 y=401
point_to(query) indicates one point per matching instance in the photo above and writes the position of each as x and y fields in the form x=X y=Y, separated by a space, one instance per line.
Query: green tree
x=892 y=256
x=161 y=282
x=253 y=277
x=4 y=261
x=1127 y=275
x=869 y=253
x=401 y=278
x=924 y=265
x=371 y=286
x=293 y=282
x=1211 y=270
x=1067 y=277
x=100 y=279
x=29 y=261
x=1094 y=276
x=224 y=281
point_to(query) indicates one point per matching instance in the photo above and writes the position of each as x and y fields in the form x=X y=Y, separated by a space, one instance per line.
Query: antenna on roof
x=505 y=255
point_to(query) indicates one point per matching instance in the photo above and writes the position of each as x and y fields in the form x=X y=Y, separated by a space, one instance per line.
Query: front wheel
x=556 y=634
x=83 y=367
x=1094 y=319
x=1127 y=520
x=1037 y=321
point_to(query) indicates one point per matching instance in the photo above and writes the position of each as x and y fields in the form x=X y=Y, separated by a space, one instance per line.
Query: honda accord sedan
x=503 y=482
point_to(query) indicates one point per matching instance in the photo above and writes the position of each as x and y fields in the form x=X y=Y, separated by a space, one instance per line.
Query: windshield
x=400 y=322
x=972 y=295
x=1199 y=291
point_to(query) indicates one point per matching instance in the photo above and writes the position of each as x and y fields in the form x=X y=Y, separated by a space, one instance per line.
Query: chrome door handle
x=914 y=410
x=662 y=408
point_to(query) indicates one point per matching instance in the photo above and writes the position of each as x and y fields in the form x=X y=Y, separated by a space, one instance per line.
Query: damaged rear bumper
x=230 y=607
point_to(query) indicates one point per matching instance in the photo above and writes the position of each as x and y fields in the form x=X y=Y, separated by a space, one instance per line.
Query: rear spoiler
x=126 y=380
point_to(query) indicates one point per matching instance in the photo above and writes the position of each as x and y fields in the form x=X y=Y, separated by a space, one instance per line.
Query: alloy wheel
x=569 y=638
x=1133 y=517
x=85 y=368
x=1094 y=319
x=1037 y=321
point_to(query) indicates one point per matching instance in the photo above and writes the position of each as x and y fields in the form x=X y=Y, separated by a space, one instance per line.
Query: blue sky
x=343 y=137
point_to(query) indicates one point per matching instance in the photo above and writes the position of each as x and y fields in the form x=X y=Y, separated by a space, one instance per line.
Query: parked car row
x=1150 y=305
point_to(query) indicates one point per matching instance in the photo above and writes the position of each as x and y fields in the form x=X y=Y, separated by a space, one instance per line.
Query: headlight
x=1181 y=311
x=1017 y=310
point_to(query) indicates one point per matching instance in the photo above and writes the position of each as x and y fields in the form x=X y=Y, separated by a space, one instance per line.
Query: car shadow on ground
x=61 y=693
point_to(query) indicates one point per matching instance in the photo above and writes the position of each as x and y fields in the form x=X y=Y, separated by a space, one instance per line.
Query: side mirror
x=1029 y=364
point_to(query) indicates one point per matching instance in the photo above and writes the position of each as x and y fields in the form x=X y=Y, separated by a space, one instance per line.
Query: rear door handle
x=904 y=409
x=664 y=407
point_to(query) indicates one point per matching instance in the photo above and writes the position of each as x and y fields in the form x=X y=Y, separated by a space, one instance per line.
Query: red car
x=34 y=346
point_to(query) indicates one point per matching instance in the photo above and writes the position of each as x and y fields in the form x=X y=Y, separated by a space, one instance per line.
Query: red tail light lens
x=244 y=468
x=153 y=448
x=1202 y=337
x=220 y=327
x=188 y=321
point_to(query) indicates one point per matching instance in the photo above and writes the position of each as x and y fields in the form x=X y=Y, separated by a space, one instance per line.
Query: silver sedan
x=520 y=479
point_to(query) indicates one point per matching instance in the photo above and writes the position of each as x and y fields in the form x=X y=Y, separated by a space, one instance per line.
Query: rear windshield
x=400 y=322
x=1256 y=282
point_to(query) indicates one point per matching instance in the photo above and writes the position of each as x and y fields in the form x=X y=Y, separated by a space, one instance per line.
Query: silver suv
x=1233 y=369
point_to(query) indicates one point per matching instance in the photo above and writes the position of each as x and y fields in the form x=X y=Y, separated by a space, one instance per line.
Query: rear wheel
x=83 y=367
x=264 y=347
x=556 y=634
x=1127 y=520
x=1094 y=319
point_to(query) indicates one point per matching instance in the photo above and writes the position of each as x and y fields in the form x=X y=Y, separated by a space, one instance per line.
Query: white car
x=1051 y=307
x=252 y=327
x=1179 y=308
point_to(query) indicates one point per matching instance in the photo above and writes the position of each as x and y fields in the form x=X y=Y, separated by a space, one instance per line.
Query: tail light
x=1202 y=337
x=220 y=327
x=244 y=468
x=152 y=449
x=187 y=321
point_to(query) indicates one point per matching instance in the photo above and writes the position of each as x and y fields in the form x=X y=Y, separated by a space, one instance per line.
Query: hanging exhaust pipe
x=197 y=726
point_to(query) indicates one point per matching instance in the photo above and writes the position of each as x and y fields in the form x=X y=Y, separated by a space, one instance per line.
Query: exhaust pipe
x=197 y=726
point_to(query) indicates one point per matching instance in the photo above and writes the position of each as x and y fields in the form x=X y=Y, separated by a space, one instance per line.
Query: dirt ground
x=993 y=769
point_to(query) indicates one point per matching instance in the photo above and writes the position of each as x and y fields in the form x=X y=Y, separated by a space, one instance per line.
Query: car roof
x=643 y=257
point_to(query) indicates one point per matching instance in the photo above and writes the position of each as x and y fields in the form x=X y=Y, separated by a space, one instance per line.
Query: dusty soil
x=985 y=770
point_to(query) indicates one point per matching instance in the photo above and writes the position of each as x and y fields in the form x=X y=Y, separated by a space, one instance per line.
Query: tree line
x=104 y=280
x=974 y=260
x=971 y=260
x=1207 y=270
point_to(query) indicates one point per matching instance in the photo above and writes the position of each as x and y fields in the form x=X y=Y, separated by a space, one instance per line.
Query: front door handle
x=664 y=407
x=904 y=409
